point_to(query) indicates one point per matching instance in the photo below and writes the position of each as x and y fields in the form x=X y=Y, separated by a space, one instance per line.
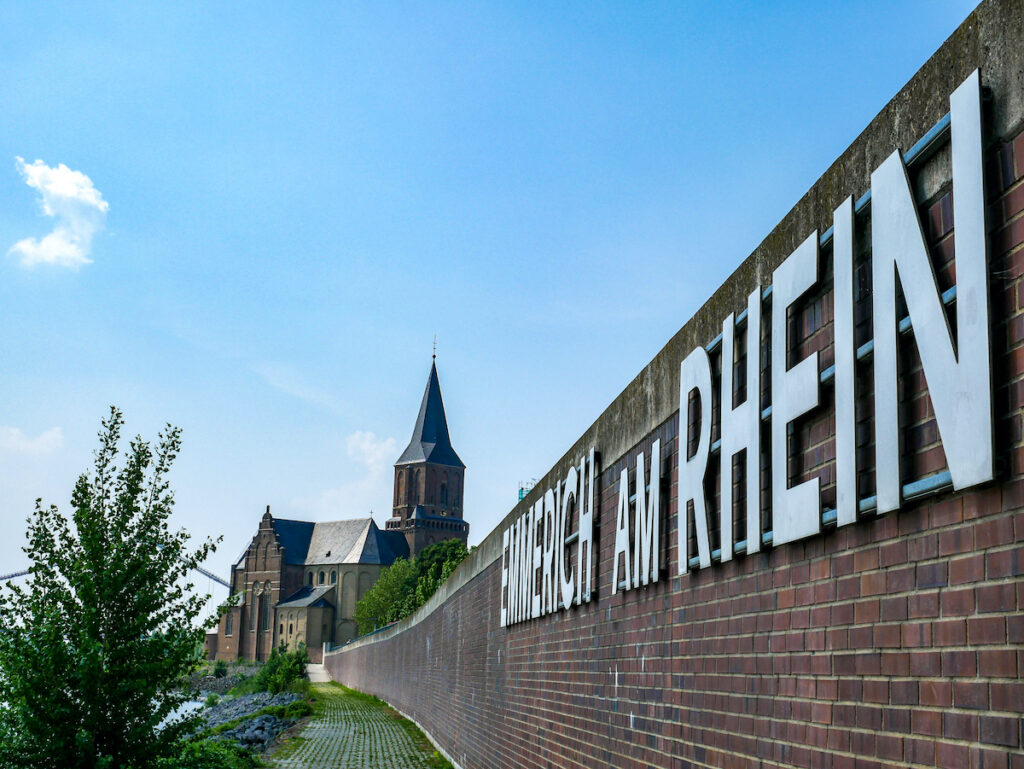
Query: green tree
x=405 y=586
x=97 y=642
x=382 y=603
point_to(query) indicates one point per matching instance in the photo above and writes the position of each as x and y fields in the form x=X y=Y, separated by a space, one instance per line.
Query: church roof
x=307 y=596
x=357 y=541
x=430 y=441
x=294 y=537
x=353 y=541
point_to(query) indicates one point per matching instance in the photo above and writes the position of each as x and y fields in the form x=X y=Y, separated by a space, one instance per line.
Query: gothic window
x=280 y=629
x=320 y=577
x=229 y=623
x=309 y=578
x=444 y=493
x=265 y=608
x=289 y=628
x=334 y=577
x=252 y=605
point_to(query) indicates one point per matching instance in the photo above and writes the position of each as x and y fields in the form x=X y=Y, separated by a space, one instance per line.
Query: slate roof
x=294 y=538
x=430 y=441
x=353 y=541
x=307 y=596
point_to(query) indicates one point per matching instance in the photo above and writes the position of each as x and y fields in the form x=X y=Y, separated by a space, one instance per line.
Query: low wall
x=896 y=640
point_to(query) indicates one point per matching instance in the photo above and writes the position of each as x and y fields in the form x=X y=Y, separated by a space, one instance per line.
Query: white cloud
x=79 y=209
x=370 y=491
x=289 y=381
x=13 y=440
x=376 y=454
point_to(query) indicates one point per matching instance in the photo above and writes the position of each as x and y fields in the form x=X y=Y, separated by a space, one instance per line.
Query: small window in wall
x=229 y=624
x=334 y=577
x=280 y=629
x=309 y=578
x=321 y=578
x=289 y=628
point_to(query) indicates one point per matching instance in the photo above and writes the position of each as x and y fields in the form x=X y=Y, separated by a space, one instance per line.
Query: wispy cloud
x=14 y=441
x=290 y=381
x=370 y=491
x=79 y=209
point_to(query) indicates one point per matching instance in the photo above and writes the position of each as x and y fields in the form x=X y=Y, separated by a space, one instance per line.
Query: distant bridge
x=200 y=569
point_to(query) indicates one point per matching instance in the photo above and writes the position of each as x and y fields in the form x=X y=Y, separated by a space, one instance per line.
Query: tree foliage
x=405 y=586
x=97 y=641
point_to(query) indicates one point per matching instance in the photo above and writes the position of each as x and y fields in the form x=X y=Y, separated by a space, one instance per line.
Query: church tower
x=429 y=479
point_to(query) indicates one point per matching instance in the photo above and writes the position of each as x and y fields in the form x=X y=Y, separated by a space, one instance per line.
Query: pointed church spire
x=430 y=441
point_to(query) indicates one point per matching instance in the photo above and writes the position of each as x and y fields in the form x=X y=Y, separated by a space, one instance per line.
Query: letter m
x=646 y=527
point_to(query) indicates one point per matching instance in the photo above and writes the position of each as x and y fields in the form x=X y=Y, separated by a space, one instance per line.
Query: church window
x=252 y=606
x=229 y=623
x=290 y=628
x=265 y=613
x=309 y=578
x=321 y=578
x=280 y=629
x=444 y=493
x=334 y=577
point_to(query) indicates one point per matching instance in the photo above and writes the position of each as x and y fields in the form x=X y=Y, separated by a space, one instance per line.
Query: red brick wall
x=896 y=641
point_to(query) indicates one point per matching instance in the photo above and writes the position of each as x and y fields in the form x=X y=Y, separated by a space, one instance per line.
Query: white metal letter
x=566 y=580
x=622 y=536
x=741 y=428
x=694 y=374
x=647 y=523
x=845 y=363
x=959 y=377
x=585 y=566
x=796 y=511
x=504 y=577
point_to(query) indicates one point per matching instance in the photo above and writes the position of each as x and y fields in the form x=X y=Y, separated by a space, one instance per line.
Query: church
x=298 y=581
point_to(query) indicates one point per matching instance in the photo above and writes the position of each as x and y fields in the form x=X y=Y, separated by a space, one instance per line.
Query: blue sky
x=268 y=211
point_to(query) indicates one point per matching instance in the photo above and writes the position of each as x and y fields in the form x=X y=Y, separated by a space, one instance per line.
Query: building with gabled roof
x=298 y=582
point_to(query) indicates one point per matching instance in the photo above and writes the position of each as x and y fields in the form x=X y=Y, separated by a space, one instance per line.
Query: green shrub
x=212 y=754
x=247 y=686
x=298 y=709
x=212 y=699
x=284 y=671
x=220 y=669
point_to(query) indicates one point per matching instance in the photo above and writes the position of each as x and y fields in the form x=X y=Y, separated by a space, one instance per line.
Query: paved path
x=317 y=674
x=351 y=732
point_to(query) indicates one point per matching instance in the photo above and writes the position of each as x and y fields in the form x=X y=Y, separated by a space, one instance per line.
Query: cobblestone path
x=351 y=732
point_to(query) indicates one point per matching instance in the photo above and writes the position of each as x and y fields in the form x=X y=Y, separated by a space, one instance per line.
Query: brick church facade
x=298 y=582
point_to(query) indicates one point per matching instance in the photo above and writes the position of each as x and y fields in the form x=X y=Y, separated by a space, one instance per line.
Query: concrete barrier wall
x=897 y=640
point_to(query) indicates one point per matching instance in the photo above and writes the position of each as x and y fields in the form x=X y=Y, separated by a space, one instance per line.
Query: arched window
x=309 y=578
x=321 y=578
x=444 y=493
x=229 y=623
x=265 y=608
x=253 y=605
x=334 y=577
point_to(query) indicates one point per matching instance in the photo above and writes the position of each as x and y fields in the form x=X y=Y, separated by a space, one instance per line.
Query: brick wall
x=896 y=641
